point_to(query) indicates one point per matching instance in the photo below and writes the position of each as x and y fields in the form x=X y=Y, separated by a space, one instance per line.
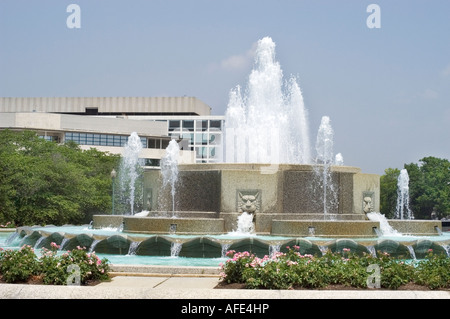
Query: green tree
x=429 y=188
x=388 y=192
x=429 y=184
x=43 y=182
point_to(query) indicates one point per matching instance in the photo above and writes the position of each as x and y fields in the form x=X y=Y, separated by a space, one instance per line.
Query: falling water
x=225 y=247
x=386 y=229
x=411 y=252
x=324 y=160
x=447 y=249
x=339 y=159
x=169 y=168
x=133 y=248
x=245 y=225
x=175 y=249
x=258 y=123
x=372 y=250
x=274 y=249
x=93 y=244
x=63 y=243
x=11 y=238
x=38 y=242
x=129 y=171
x=403 y=211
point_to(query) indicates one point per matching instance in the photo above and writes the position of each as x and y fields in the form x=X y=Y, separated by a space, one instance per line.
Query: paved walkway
x=163 y=282
x=192 y=287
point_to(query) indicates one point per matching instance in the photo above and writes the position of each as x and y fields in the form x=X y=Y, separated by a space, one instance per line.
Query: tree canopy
x=429 y=188
x=42 y=182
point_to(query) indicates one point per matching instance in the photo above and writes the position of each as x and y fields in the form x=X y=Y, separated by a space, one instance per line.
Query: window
x=215 y=124
x=164 y=144
x=201 y=125
x=100 y=139
x=188 y=125
x=154 y=143
x=174 y=126
x=91 y=110
x=152 y=162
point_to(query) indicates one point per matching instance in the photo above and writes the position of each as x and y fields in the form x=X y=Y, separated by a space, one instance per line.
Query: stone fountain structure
x=268 y=170
x=268 y=180
x=210 y=197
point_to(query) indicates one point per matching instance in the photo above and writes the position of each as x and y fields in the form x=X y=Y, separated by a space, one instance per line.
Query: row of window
x=205 y=152
x=195 y=125
x=199 y=138
x=100 y=139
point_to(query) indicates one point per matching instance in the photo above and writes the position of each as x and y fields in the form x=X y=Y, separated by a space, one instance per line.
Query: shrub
x=434 y=271
x=78 y=264
x=233 y=271
x=293 y=270
x=18 y=265
x=59 y=270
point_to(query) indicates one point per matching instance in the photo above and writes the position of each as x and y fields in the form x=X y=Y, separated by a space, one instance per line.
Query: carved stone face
x=248 y=203
x=367 y=205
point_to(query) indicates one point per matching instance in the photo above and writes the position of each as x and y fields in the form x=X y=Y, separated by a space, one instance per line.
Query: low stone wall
x=283 y=189
x=416 y=227
x=182 y=226
x=102 y=221
x=325 y=228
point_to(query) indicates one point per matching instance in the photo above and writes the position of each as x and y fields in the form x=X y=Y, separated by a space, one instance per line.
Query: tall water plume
x=129 y=173
x=269 y=124
x=324 y=159
x=169 y=169
x=403 y=210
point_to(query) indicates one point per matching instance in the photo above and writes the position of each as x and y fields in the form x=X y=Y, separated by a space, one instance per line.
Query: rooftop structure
x=106 y=105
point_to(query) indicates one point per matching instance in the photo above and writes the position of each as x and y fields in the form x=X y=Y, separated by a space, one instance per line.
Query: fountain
x=403 y=211
x=129 y=172
x=283 y=188
x=169 y=169
x=267 y=194
x=325 y=157
x=272 y=114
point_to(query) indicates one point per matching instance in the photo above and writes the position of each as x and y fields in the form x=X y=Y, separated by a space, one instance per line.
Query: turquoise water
x=189 y=261
x=131 y=259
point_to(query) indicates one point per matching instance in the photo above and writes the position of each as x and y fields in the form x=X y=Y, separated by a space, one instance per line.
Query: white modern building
x=106 y=122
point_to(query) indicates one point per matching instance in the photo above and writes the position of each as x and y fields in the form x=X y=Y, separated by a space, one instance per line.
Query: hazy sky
x=386 y=89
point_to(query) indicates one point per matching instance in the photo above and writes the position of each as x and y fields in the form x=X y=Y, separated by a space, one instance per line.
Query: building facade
x=106 y=122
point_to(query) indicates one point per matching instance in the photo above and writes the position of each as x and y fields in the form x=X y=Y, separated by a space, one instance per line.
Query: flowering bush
x=434 y=271
x=57 y=271
x=78 y=264
x=294 y=270
x=18 y=265
x=7 y=225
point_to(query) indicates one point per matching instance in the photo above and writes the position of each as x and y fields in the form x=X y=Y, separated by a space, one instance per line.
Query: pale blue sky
x=386 y=90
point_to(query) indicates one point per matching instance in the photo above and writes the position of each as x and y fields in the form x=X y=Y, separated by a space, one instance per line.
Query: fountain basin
x=181 y=226
x=325 y=228
x=298 y=225
x=119 y=243
x=416 y=227
x=278 y=191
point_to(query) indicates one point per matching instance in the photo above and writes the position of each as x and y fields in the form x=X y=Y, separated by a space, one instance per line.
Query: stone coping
x=264 y=168
x=7 y=230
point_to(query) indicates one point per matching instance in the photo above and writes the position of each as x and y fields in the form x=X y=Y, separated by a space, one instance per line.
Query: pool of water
x=8 y=242
x=128 y=259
